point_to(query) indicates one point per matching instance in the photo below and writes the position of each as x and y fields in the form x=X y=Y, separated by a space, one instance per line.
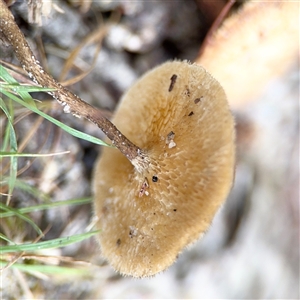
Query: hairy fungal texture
x=259 y=43
x=178 y=114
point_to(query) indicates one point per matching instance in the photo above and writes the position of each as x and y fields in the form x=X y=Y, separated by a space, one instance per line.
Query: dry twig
x=71 y=102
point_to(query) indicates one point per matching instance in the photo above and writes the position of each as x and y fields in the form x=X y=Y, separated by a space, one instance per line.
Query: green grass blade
x=4 y=75
x=55 y=243
x=48 y=269
x=16 y=87
x=13 y=145
x=9 y=115
x=47 y=206
x=5 y=141
x=5 y=238
x=16 y=213
x=68 y=129
x=13 y=154
x=24 y=186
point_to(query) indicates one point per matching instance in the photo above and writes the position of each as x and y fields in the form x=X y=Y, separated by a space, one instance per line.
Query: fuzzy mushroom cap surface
x=178 y=114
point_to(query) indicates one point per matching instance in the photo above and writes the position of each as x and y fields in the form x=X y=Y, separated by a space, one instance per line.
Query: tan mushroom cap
x=178 y=114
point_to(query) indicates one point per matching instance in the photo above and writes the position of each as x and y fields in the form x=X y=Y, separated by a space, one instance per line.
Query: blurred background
x=98 y=49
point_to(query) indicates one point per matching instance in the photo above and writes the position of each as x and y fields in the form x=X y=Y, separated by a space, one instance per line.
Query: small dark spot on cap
x=118 y=242
x=154 y=213
x=154 y=178
x=173 y=80
x=171 y=135
x=191 y=113
x=188 y=92
x=175 y=209
x=197 y=100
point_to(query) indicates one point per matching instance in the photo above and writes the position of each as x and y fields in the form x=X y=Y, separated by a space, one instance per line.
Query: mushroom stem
x=71 y=102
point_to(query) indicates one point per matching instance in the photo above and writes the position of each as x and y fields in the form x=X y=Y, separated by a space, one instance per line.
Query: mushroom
x=149 y=212
x=261 y=38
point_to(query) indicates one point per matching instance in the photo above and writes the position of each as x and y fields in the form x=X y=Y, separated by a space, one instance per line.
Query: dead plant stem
x=71 y=102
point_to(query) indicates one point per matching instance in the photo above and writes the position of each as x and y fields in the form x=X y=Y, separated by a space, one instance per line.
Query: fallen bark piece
x=148 y=213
